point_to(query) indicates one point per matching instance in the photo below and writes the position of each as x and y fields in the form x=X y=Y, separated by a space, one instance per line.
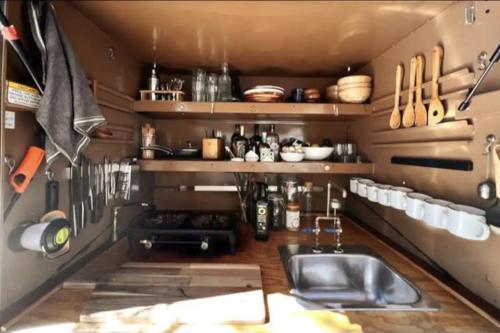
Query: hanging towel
x=67 y=112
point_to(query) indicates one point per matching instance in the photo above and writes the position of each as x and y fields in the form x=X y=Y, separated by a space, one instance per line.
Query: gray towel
x=67 y=112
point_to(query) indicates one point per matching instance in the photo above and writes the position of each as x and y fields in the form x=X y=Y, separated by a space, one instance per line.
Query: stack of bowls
x=332 y=93
x=354 y=88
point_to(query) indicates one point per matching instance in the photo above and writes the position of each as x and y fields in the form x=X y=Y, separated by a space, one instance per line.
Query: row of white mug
x=460 y=220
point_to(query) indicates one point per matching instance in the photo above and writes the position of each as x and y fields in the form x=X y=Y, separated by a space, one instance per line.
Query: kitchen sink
x=356 y=280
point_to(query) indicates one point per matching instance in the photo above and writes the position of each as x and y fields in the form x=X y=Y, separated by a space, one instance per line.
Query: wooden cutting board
x=174 y=293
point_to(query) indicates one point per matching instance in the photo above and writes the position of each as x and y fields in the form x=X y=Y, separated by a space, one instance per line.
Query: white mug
x=436 y=213
x=353 y=184
x=467 y=222
x=398 y=197
x=372 y=191
x=415 y=205
x=383 y=194
x=362 y=186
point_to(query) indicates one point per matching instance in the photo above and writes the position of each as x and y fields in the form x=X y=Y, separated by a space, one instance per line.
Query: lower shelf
x=257 y=167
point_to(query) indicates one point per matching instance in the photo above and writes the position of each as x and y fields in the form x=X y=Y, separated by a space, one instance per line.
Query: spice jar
x=292 y=216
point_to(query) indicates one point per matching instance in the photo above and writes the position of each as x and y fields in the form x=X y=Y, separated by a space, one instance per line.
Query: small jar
x=293 y=217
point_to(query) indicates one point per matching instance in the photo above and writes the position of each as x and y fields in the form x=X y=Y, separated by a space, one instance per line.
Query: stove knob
x=204 y=244
x=148 y=245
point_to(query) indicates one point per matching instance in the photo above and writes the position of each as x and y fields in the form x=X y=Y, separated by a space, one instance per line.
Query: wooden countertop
x=64 y=306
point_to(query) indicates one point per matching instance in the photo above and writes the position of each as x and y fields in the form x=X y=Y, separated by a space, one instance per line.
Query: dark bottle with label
x=262 y=220
x=256 y=139
x=236 y=132
x=239 y=144
x=273 y=140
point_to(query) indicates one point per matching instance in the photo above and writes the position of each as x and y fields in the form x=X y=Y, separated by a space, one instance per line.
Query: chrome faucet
x=337 y=226
x=116 y=210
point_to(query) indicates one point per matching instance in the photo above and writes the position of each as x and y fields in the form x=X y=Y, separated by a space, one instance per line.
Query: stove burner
x=204 y=232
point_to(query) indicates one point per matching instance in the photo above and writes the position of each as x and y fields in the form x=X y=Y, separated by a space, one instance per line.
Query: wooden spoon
x=409 y=112
x=420 y=110
x=395 y=120
x=436 y=109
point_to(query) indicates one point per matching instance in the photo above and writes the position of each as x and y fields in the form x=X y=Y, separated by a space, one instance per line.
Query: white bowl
x=354 y=79
x=354 y=86
x=317 y=153
x=292 y=157
x=355 y=95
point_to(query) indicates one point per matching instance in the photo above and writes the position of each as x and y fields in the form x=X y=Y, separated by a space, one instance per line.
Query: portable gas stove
x=205 y=233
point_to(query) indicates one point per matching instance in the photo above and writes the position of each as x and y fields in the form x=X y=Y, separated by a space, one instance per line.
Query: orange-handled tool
x=22 y=176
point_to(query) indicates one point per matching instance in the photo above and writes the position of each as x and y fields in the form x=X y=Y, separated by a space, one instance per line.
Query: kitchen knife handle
x=23 y=175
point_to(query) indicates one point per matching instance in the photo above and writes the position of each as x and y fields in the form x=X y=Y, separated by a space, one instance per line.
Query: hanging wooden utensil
x=409 y=112
x=420 y=110
x=395 y=121
x=436 y=108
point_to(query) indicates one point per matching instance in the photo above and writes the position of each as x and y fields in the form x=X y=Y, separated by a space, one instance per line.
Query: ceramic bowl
x=292 y=157
x=354 y=79
x=355 y=95
x=317 y=153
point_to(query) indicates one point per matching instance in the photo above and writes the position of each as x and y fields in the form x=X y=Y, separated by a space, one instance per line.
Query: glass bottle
x=273 y=140
x=306 y=197
x=256 y=139
x=153 y=83
x=239 y=144
x=236 y=132
x=265 y=153
x=224 y=85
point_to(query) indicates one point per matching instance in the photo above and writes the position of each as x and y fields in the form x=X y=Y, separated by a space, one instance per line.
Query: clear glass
x=212 y=87
x=198 y=85
x=224 y=84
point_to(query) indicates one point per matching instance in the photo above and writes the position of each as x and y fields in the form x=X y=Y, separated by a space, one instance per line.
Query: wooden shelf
x=459 y=130
x=244 y=110
x=257 y=167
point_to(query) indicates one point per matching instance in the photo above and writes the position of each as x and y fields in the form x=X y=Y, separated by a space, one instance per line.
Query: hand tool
x=436 y=108
x=22 y=176
x=409 y=112
x=493 y=59
x=10 y=34
x=395 y=120
x=420 y=110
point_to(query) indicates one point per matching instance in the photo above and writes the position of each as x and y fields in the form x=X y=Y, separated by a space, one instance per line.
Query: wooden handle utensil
x=409 y=112
x=420 y=110
x=436 y=108
x=395 y=120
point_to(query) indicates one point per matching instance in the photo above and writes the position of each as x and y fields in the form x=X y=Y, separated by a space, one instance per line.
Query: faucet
x=116 y=210
x=337 y=226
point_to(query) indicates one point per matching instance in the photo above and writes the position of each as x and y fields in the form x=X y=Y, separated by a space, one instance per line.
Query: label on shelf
x=23 y=95
x=10 y=120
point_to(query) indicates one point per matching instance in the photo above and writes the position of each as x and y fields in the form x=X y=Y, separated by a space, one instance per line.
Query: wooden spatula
x=420 y=110
x=409 y=112
x=436 y=108
x=395 y=120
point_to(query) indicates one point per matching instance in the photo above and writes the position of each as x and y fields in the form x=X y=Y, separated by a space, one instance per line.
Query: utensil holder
x=212 y=148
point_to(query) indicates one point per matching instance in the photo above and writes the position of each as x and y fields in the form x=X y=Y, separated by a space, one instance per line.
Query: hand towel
x=67 y=112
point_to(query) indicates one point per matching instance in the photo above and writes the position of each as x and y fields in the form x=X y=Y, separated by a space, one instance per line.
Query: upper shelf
x=245 y=110
x=255 y=167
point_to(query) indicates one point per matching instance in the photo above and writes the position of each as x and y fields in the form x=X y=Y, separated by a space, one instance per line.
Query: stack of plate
x=355 y=88
x=264 y=94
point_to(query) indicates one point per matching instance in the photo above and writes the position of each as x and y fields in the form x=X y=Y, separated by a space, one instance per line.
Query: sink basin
x=357 y=279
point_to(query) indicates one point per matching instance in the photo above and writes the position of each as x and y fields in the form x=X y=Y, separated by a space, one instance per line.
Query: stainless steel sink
x=356 y=280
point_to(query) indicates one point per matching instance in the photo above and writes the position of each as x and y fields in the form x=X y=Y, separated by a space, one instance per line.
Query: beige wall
x=24 y=272
x=472 y=263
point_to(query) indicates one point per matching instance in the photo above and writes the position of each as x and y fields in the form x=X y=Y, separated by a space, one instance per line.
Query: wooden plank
x=257 y=167
x=245 y=110
x=448 y=131
x=145 y=293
